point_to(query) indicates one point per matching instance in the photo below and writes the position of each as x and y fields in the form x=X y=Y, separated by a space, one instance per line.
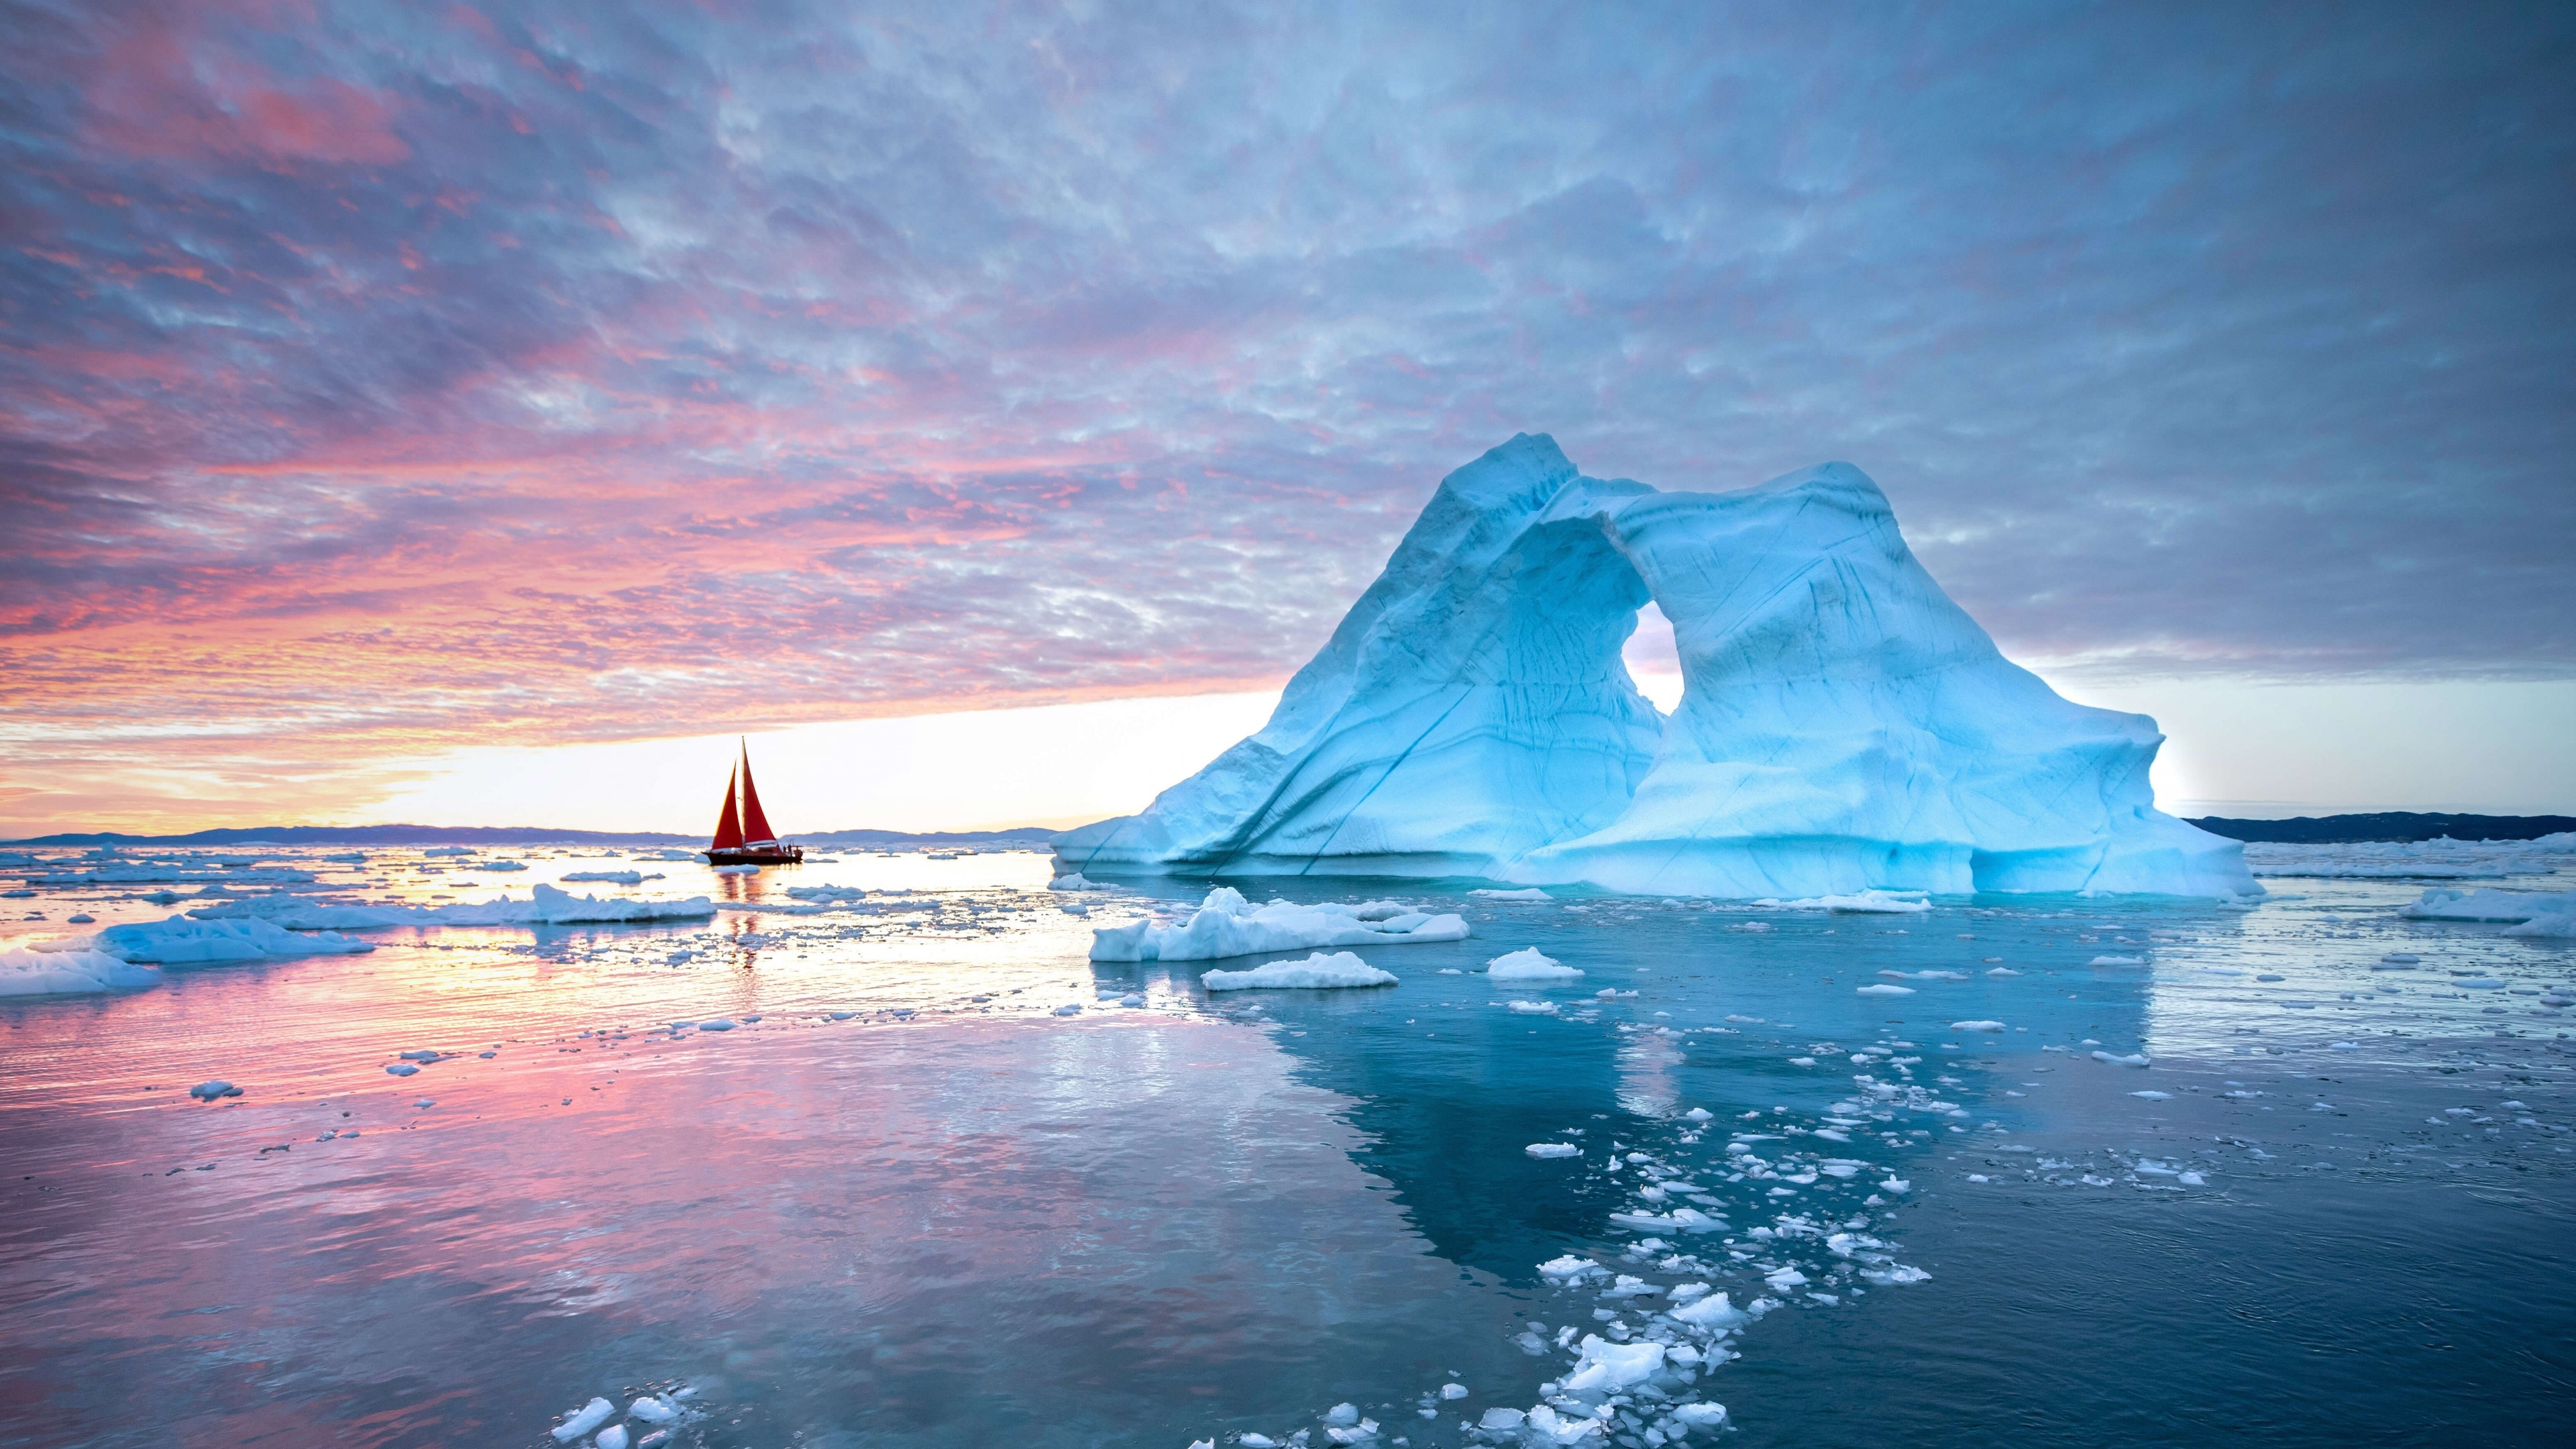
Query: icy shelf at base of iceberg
x=1228 y=925
x=1844 y=726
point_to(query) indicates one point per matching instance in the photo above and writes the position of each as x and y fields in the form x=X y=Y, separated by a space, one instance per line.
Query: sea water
x=908 y=1169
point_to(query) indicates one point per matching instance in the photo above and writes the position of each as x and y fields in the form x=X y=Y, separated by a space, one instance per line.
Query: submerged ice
x=1844 y=727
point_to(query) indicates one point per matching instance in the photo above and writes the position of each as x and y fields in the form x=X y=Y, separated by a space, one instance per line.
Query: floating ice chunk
x=1697 y=1114
x=1883 y=989
x=1527 y=964
x=1701 y=1415
x=1532 y=894
x=1784 y=1279
x=1569 y=1268
x=619 y=877
x=400 y=1069
x=1342 y=1414
x=584 y=1419
x=1976 y=1026
x=2133 y=1059
x=1072 y=880
x=2489 y=905
x=1895 y=1273
x=209 y=1091
x=180 y=941
x=1453 y=1391
x=1709 y=1312
x=2192 y=1179
x=2153 y=1096
x=612 y=1437
x=1257 y=1441
x=1631 y=1286
x=1227 y=925
x=1501 y=1420
x=1607 y=1367
x=717 y=1024
x=1072 y=1009
x=1316 y=972
x=1534 y=1008
x=1552 y=1149
x=46 y=970
x=2117 y=961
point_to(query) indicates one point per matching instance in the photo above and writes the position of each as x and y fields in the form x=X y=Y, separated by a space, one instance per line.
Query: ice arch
x=1843 y=724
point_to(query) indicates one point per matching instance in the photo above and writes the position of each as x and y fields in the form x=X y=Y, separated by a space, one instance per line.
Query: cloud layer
x=379 y=378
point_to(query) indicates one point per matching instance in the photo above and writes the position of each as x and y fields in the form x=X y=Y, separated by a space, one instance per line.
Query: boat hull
x=757 y=855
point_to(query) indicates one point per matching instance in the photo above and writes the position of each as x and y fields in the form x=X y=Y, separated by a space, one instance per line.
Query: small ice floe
x=2117 y=961
x=1606 y=1367
x=80 y=918
x=400 y=1069
x=578 y=1422
x=1871 y=902
x=1317 y=972
x=2192 y=1179
x=1532 y=894
x=1883 y=989
x=1533 y=1008
x=1784 y=1279
x=1527 y=964
x=612 y=1437
x=2003 y=971
x=1071 y=881
x=1552 y=1149
x=614 y=877
x=2132 y=1059
x=2153 y=1096
x=1976 y=1026
x=717 y=1024
x=1569 y=1268
x=1226 y=924
x=211 y=1091
x=2270 y=976
x=1697 y=1114
x=1750 y=926
x=1131 y=999
x=424 y=1102
x=1630 y=1286
x=1069 y=1009
x=823 y=894
x=2401 y=958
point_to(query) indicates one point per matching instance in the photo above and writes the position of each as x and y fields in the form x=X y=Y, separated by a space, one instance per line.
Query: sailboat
x=745 y=838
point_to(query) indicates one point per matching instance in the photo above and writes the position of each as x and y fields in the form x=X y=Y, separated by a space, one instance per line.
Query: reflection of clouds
x=1648 y=1084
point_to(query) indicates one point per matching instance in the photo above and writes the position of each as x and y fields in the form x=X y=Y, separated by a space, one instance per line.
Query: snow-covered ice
x=1527 y=964
x=1226 y=924
x=1843 y=727
x=1317 y=971
x=25 y=972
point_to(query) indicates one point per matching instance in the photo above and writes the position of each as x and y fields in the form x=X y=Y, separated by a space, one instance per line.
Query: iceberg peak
x=1844 y=726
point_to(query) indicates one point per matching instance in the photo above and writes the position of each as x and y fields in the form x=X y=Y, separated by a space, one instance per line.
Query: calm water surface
x=881 y=1210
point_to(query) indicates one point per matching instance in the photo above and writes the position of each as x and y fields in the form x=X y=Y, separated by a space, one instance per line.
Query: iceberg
x=180 y=941
x=1228 y=925
x=1844 y=726
x=30 y=972
x=2550 y=913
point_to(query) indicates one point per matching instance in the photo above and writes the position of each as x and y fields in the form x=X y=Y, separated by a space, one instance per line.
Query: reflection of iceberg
x=1843 y=726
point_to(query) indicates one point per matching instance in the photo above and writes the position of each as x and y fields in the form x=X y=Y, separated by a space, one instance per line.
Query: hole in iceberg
x=1654 y=663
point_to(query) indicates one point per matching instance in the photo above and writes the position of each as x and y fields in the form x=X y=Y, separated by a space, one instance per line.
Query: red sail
x=755 y=826
x=728 y=829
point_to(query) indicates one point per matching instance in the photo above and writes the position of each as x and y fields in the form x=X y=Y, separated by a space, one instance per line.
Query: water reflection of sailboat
x=745 y=838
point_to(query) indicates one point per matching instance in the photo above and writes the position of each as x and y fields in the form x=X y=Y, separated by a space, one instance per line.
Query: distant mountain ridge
x=2391 y=825
x=515 y=835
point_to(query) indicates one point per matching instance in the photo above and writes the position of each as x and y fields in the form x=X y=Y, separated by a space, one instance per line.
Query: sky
x=392 y=396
